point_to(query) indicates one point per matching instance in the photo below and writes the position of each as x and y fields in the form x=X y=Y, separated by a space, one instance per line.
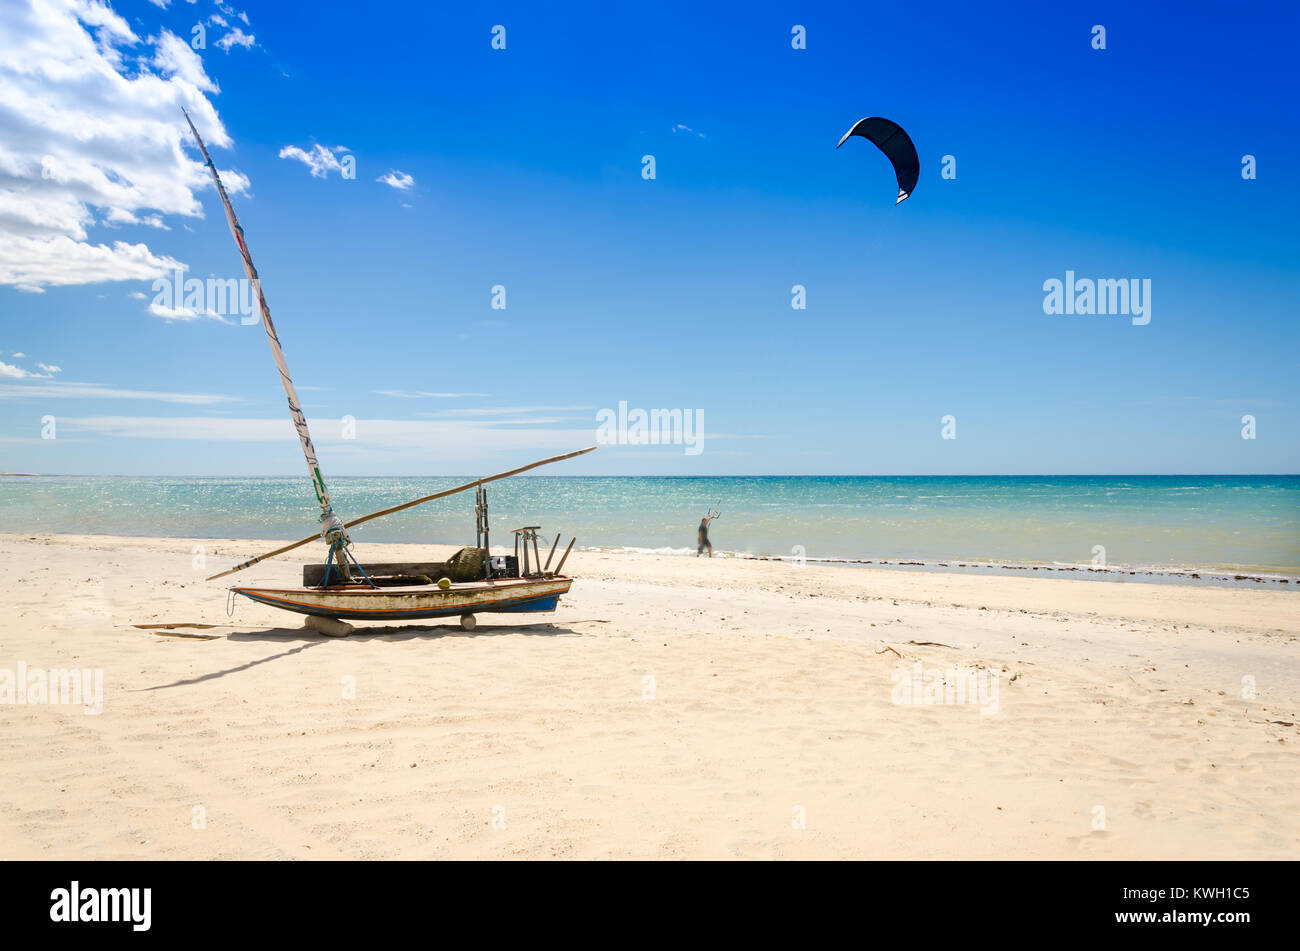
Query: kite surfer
x=704 y=533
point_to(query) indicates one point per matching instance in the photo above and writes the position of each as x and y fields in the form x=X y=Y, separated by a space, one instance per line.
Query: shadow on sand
x=189 y=681
x=406 y=632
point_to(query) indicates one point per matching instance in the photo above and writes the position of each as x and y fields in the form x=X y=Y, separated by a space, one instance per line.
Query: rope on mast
x=332 y=527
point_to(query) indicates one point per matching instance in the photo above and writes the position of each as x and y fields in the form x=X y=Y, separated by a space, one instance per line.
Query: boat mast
x=332 y=528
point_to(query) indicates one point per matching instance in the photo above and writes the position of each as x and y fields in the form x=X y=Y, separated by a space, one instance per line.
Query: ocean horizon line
x=633 y=475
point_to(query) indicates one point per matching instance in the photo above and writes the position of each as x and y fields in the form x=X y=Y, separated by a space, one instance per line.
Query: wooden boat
x=360 y=602
x=472 y=582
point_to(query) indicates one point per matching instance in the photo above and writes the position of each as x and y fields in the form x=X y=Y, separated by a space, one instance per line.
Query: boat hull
x=409 y=603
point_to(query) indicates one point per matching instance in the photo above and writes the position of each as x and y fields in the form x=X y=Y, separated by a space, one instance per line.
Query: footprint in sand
x=1123 y=763
x=1089 y=842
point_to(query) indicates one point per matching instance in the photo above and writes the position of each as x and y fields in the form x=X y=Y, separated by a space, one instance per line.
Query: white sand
x=771 y=701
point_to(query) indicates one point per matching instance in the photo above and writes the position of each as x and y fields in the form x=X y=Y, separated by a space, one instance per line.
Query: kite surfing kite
x=890 y=138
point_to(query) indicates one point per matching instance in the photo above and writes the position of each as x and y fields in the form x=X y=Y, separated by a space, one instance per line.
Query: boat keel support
x=329 y=626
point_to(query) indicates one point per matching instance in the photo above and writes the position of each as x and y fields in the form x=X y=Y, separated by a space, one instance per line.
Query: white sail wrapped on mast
x=331 y=525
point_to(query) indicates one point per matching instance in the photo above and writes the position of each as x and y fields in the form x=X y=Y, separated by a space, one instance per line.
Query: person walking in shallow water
x=704 y=534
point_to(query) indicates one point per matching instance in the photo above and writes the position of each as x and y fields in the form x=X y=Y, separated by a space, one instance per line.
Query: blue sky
x=526 y=172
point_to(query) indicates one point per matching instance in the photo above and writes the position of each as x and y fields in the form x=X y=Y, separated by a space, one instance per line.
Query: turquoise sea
x=1184 y=523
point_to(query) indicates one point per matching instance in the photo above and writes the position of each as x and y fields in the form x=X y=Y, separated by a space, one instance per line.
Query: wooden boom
x=404 y=505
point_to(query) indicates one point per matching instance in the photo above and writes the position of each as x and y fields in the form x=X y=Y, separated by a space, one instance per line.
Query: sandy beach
x=671 y=708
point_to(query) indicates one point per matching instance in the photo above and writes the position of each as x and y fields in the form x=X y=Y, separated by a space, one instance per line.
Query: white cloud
x=18 y=373
x=420 y=394
x=88 y=141
x=377 y=436
x=173 y=313
x=119 y=216
x=101 y=391
x=49 y=368
x=31 y=262
x=320 y=161
x=399 y=180
x=137 y=295
x=167 y=312
x=512 y=410
x=685 y=128
x=229 y=10
x=218 y=19
x=236 y=37
x=173 y=56
x=13 y=372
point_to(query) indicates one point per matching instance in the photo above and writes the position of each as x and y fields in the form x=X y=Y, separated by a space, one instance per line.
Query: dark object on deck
x=504 y=566
x=389 y=574
x=468 y=564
